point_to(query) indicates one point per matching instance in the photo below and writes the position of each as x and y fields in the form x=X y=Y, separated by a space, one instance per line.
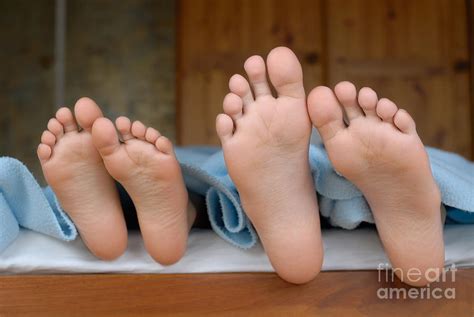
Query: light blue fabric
x=339 y=200
x=24 y=203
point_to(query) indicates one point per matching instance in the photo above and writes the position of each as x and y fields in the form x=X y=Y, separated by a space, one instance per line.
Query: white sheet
x=344 y=250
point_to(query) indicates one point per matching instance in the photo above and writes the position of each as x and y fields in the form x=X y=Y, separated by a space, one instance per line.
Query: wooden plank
x=215 y=38
x=26 y=83
x=122 y=54
x=470 y=17
x=241 y=294
x=414 y=52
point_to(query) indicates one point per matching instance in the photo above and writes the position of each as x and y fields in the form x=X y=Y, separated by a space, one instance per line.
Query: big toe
x=325 y=112
x=285 y=72
x=104 y=137
x=87 y=112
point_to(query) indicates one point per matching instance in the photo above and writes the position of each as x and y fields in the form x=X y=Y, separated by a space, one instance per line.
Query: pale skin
x=81 y=156
x=380 y=152
x=265 y=141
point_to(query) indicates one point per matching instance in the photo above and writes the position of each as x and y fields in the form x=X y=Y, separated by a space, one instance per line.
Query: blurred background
x=167 y=62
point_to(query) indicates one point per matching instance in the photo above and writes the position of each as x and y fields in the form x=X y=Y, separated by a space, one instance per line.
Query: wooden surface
x=215 y=38
x=412 y=51
x=470 y=19
x=331 y=294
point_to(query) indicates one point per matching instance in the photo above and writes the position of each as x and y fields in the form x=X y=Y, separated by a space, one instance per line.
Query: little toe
x=368 y=102
x=233 y=106
x=404 y=122
x=325 y=112
x=44 y=152
x=152 y=135
x=255 y=68
x=56 y=128
x=104 y=137
x=87 y=111
x=285 y=73
x=48 y=138
x=163 y=144
x=240 y=86
x=346 y=93
x=138 y=130
x=224 y=127
x=124 y=126
x=386 y=109
x=65 y=117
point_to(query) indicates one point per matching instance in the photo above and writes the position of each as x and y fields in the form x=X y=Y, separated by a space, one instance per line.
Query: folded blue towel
x=24 y=203
x=339 y=200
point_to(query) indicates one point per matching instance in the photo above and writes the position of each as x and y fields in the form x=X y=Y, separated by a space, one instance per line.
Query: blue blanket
x=24 y=203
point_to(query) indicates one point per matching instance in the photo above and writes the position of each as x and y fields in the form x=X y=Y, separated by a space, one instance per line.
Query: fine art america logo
x=387 y=275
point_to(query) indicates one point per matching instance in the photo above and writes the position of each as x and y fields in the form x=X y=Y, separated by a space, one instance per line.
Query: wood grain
x=413 y=52
x=470 y=18
x=216 y=37
x=241 y=294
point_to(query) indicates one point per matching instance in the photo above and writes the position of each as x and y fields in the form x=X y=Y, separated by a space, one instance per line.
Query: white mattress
x=344 y=250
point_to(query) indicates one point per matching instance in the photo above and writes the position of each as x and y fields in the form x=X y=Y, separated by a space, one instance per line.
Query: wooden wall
x=412 y=51
x=124 y=54
x=121 y=53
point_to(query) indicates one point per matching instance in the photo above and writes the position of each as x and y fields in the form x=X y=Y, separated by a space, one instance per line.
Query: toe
x=240 y=86
x=163 y=144
x=124 y=125
x=138 y=130
x=48 y=138
x=44 y=152
x=104 y=137
x=346 y=93
x=368 y=101
x=233 y=106
x=87 y=112
x=224 y=127
x=404 y=122
x=285 y=73
x=386 y=109
x=56 y=128
x=152 y=135
x=325 y=112
x=65 y=117
x=255 y=68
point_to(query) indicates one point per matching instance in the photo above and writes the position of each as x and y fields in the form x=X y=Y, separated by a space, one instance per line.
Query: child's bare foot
x=265 y=142
x=75 y=171
x=381 y=153
x=146 y=166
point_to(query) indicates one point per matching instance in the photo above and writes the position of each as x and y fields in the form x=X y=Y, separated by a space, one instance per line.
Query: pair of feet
x=82 y=156
x=265 y=142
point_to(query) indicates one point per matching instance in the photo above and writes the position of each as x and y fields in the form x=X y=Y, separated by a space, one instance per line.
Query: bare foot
x=75 y=171
x=146 y=166
x=265 y=142
x=381 y=153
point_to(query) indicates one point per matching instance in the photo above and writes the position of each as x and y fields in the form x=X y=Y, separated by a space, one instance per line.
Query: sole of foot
x=265 y=142
x=145 y=164
x=380 y=152
x=75 y=171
